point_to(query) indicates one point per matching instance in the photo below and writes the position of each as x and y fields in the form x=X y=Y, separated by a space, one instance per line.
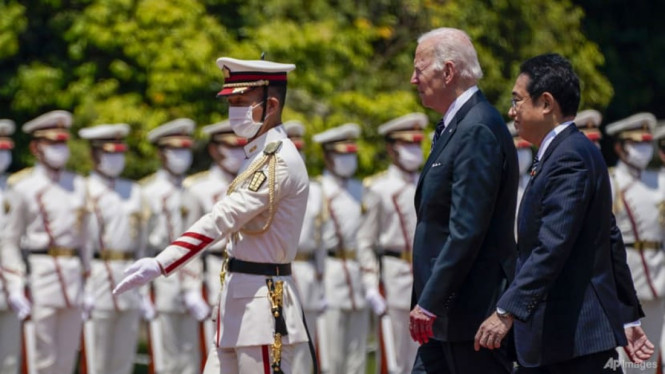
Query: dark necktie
x=534 y=166
x=438 y=131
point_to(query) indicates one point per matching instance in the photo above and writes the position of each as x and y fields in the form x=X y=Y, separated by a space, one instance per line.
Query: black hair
x=553 y=73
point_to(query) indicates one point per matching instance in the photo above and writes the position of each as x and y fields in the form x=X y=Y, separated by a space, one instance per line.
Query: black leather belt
x=403 y=255
x=258 y=268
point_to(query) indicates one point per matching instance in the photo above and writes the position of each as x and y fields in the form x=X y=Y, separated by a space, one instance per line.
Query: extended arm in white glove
x=138 y=274
x=376 y=301
x=198 y=307
x=20 y=305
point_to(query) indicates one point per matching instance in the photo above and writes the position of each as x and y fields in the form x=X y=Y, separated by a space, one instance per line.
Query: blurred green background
x=145 y=62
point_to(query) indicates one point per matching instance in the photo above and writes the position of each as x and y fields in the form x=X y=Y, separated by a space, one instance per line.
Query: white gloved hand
x=147 y=308
x=197 y=307
x=376 y=301
x=138 y=274
x=88 y=306
x=20 y=305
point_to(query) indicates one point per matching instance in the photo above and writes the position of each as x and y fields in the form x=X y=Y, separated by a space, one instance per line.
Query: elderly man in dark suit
x=572 y=295
x=464 y=246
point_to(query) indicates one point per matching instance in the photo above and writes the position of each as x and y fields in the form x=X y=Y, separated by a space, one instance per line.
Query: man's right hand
x=138 y=274
x=20 y=305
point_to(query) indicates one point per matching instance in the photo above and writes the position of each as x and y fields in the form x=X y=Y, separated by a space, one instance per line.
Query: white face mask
x=5 y=160
x=639 y=154
x=233 y=158
x=178 y=160
x=410 y=156
x=344 y=165
x=524 y=159
x=55 y=155
x=111 y=164
x=242 y=122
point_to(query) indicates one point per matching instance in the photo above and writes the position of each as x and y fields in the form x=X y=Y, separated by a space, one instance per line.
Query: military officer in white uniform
x=588 y=121
x=208 y=187
x=9 y=325
x=390 y=225
x=46 y=222
x=659 y=139
x=351 y=275
x=259 y=321
x=116 y=237
x=309 y=264
x=172 y=208
x=638 y=198
x=524 y=161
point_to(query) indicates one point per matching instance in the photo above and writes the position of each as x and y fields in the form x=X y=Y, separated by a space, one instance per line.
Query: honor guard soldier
x=389 y=228
x=208 y=187
x=172 y=208
x=638 y=200
x=115 y=237
x=524 y=161
x=9 y=324
x=659 y=139
x=259 y=320
x=308 y=266
x=46 y=224
x=588 y=121
x=349 y=274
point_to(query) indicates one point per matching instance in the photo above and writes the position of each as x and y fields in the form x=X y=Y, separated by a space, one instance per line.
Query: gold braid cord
x=272 y=161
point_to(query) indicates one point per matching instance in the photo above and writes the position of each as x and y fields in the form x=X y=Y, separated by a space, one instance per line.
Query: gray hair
x=454 y=45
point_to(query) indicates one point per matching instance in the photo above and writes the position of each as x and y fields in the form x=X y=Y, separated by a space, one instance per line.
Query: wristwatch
x=503 y=314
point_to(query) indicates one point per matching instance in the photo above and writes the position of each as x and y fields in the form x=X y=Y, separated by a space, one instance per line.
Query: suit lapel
x=448 y=134
x=555 y=143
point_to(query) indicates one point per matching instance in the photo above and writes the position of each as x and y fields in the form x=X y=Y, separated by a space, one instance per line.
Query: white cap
x=116 y=131
x=348 y=131
x=412 y=121
x=6 y=127
x=6 y=130
x=222 y=133
x=638 y=127
x=53 y=125
x=588 y=118
x=659 y=133
x=240 y=75
x=176 y=133
x=294 y=128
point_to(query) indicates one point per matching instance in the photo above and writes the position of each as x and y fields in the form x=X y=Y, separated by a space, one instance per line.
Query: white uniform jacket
x=245 y=317
x=46 y=212
x=389 y=226
x=4 y=290
x=639 y=211
x=346 y=279
x=116 y=237
x=171 y=209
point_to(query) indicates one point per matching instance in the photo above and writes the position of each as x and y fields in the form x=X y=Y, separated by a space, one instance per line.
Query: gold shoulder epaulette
x=272 y=148
x=147 y=179
x=367 y=181
x=18 y=176
x=191 y=179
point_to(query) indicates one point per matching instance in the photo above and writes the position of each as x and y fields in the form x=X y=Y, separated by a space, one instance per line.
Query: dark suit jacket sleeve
x=563 y=209
x=631 y=310
x=476 y=178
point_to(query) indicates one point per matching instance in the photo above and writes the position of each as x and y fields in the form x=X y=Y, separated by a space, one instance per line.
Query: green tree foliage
x=145 y=62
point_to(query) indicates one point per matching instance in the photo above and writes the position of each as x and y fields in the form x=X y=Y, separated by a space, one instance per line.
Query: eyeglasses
x=514 y=101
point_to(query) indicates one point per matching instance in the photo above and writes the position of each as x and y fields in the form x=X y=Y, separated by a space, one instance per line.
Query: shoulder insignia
x=190 y=180
x=147 y=179
x=367 y=181
x=18 y=176
x=257 y=180
x=272 y=148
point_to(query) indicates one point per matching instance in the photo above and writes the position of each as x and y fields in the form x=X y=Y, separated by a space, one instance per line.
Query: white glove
x=138 y=274
x=20 y=305
x=376 y=301
x=147 y=308
x=87 y=307
x=197 y=307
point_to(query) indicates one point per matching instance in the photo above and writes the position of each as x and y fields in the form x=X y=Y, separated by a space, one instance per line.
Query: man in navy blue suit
x=464 y=244
x=572 y=301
